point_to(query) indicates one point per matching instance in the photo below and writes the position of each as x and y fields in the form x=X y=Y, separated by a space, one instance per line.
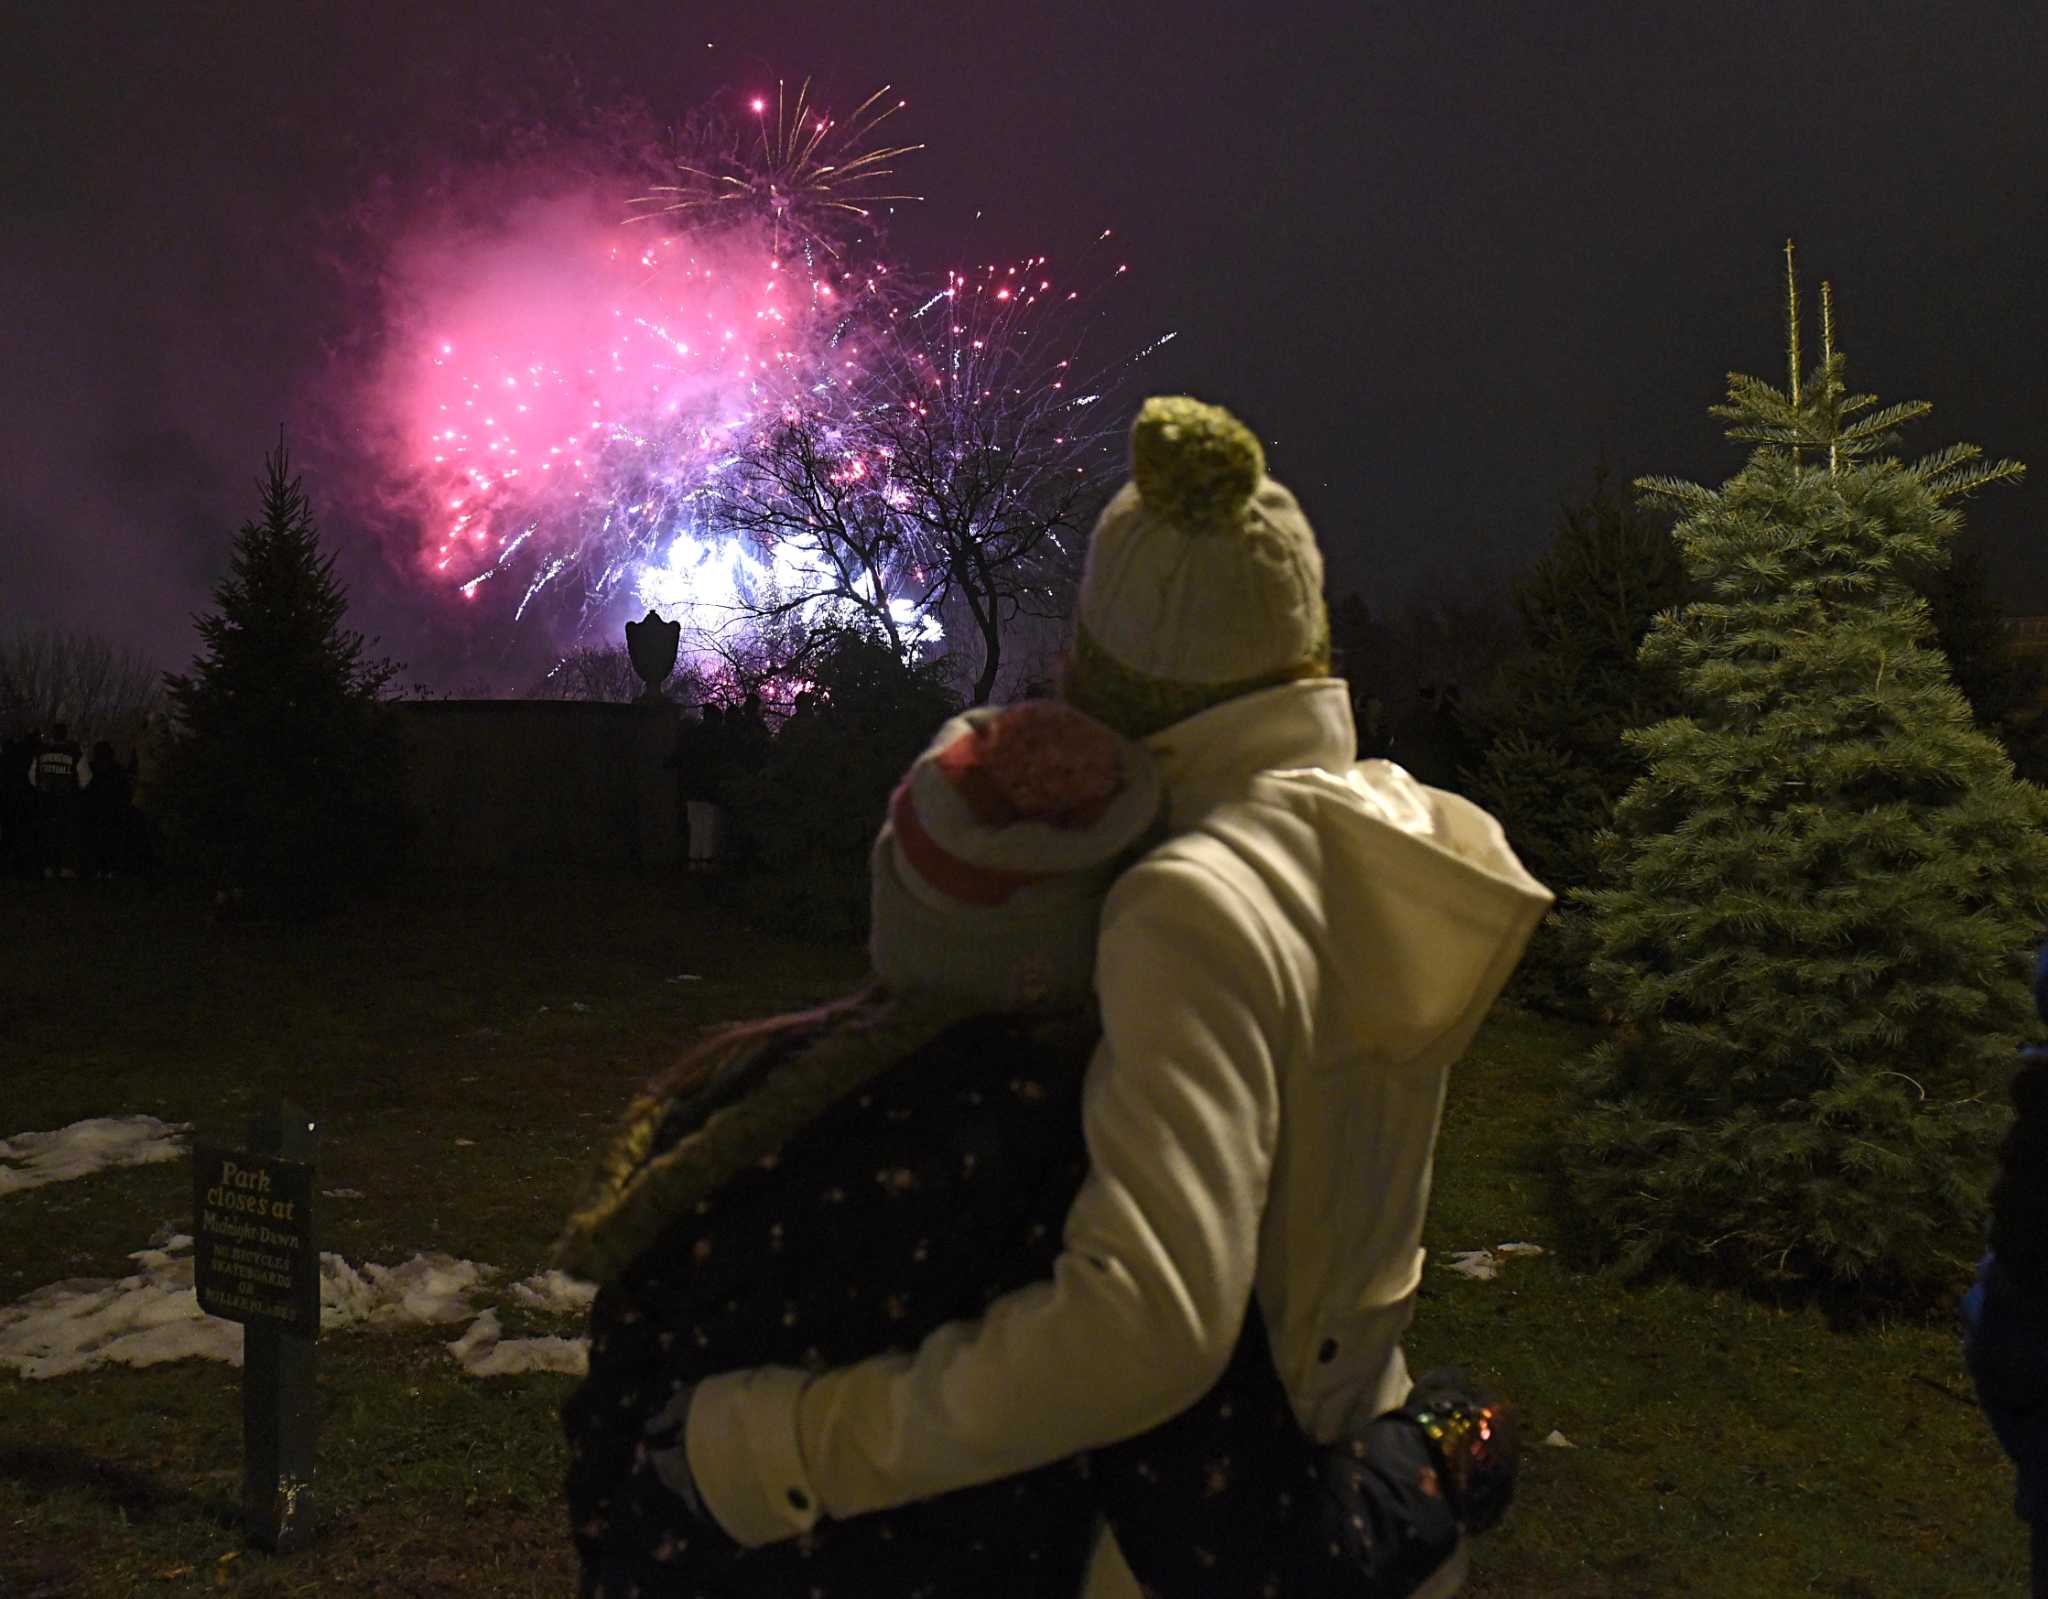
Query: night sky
x=1439 y=257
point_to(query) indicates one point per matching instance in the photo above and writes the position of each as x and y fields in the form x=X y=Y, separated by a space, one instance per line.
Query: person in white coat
x=1285 y=985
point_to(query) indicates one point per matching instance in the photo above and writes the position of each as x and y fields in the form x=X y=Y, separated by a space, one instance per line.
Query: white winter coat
x=1285 y=984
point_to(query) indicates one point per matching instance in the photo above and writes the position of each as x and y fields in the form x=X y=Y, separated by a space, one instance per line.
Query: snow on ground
x=1485 y=1264
x=484 y=1353
x=29 y=1160
x=153 y=1315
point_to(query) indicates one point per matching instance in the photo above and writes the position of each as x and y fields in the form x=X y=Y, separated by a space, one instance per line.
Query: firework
x=955 y=475
x=804 y=175
x=573 y=388
x=584 y=407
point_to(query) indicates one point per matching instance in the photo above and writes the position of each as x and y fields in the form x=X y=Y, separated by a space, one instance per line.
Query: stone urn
x=651 y=647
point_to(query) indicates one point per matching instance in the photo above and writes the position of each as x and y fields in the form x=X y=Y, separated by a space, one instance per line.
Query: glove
x=662 y=1445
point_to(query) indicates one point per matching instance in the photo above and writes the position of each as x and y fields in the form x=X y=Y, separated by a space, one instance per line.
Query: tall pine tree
x=285 y=778
x=1550 y=723
x=1823 y=892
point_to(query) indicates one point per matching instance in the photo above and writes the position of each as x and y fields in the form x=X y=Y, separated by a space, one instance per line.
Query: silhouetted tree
x=102 y=689
x=285 y=774
x=1551 y=764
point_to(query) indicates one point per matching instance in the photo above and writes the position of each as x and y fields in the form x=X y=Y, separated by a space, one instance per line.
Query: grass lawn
x=1720 y=1448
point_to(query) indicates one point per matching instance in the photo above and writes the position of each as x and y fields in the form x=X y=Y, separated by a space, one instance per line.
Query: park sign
x=253 y=1255
x=255 y=1260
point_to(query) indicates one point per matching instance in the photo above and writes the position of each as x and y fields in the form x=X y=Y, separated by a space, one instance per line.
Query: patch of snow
x=556 y=1291
x=427 y=1291
x=1483 y=1265
x=101 y=1143
x=140 y=1320
x=482 y=1352
x=1558 y=1440
x=153 y=1315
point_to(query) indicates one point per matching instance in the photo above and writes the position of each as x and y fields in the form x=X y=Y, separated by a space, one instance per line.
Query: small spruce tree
x=284 y=780
x=1822 y=893
x=1553 y=765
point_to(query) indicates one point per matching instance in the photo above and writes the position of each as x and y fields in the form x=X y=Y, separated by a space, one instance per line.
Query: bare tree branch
x=100 y=689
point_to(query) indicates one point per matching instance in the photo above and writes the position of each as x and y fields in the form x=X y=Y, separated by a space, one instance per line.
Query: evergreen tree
x=1550 y=723
x=285 y=778
x=1823 y=890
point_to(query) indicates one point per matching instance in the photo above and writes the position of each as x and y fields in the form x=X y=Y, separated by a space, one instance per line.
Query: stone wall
x=507 y=785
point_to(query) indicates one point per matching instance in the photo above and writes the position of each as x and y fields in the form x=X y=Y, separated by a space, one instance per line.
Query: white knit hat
x=988 y=877
x=1203 y=580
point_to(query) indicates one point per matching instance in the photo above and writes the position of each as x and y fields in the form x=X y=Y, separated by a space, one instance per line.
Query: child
x=823 y=1187
x=2005 y=1314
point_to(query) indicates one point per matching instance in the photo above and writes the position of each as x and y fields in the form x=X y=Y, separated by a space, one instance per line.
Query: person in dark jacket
x=701 y=761
x=20 y=832
x=2005 y=1313
x=821 y=1187
x=107 y=813
x=56 y=779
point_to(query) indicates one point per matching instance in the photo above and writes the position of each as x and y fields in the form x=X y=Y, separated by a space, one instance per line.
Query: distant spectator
x=55 y=772
x=1373 y=739
x=700 y=754
x=20 y=829
x=2005 y=1315
x=1430 y=740
x=107 y=814
x=747 y=738
x=748 y=746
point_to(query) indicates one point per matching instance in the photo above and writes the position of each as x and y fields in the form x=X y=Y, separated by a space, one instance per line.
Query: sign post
x=256 y=1261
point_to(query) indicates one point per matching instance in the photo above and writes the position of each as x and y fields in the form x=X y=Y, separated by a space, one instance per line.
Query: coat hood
x=1421 y=904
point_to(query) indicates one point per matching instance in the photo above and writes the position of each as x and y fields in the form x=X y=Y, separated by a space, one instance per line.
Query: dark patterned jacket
x=923 y=1171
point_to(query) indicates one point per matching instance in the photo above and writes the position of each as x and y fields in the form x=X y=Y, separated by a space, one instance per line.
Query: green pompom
x=1194 y=464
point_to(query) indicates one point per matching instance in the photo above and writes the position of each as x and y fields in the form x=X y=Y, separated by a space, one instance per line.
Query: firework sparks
x=805 y=175
x=578 y=384
x=945 y=477
x=577 y=402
